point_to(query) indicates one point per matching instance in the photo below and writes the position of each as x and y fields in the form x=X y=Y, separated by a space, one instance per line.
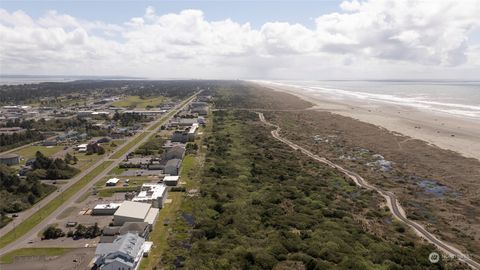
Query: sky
x=314 y=40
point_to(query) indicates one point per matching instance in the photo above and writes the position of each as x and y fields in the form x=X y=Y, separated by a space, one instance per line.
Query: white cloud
x=366 y=39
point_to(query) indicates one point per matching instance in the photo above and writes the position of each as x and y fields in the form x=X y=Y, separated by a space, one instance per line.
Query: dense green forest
x=17 y=194
x=10 y=141
x=264 y=206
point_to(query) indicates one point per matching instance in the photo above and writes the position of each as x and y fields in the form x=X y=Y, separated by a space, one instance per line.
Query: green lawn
x=128 y=147
x=9 y=257
x=67 y=212
x=137 y=102
x=160 y=232
x=36 y=218
x=29 y=152
x=117 y=171
x=108 y=192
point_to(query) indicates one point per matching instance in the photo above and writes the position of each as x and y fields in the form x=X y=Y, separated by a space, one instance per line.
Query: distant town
x=111 y=162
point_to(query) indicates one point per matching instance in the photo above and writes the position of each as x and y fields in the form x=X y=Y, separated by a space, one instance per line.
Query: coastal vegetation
x=262 y=205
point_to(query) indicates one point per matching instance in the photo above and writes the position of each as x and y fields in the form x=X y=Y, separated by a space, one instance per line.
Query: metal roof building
x=125 y=252
x=135 y=212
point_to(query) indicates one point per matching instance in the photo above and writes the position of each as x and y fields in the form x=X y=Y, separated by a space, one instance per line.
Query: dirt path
x=392 y=202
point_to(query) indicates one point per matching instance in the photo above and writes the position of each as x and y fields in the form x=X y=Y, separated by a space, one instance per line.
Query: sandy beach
x=449 y=132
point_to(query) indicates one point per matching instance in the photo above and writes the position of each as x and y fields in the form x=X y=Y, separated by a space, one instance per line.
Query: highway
x=23 y=240
x=392 y=201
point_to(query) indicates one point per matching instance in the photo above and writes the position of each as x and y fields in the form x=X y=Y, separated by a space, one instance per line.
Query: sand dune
x=445 y=131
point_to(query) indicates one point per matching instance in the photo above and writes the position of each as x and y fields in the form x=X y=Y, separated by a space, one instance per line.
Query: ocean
x=459 y=98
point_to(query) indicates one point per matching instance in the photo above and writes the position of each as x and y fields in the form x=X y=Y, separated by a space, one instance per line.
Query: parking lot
x=75 y=259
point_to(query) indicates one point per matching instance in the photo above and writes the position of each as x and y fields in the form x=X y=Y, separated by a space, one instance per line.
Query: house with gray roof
x=125 y=252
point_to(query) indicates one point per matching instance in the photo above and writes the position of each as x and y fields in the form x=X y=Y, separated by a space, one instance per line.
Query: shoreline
x=444 y=131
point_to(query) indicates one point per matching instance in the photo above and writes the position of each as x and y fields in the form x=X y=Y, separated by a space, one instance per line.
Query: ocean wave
x=419 y=102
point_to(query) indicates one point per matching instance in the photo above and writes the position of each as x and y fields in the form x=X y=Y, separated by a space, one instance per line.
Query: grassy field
x=29 y=152
x=160 y=232
x=67 y=212
x=36 y=218
x=117 y=171
x=137 y=102
x=9 y=257
x=128 y=147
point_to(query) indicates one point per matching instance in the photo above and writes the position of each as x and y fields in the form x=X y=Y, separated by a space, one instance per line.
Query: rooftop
x=173 y=162
x=149 y=192
x=107 y=206
x=133 y=209
x=171 y=178
x=9 y=156
x=129 y=244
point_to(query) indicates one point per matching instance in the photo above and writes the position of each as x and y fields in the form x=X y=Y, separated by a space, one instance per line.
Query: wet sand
x=450 y=132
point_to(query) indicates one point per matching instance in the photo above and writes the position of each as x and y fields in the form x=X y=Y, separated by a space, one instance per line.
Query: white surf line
x=395 y=208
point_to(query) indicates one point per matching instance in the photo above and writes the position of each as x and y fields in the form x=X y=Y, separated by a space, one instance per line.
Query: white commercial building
x=155 y=194
x=82 y=147
x=171 y=180
x=105 y=209
x=112 y=182
x=135 y=212
x=192 y=131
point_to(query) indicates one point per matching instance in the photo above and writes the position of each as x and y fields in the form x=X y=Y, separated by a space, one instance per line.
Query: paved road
x=23 y=240
x=392 y=202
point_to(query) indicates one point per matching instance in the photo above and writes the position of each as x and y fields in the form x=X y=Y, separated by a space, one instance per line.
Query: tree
x=53 y=232
x=68 y=158
x=75 y=159
x=100 y=150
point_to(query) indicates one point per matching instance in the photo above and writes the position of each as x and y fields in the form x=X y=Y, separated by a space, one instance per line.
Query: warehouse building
x=173 y=166
x=10 y=159
x=131 y=211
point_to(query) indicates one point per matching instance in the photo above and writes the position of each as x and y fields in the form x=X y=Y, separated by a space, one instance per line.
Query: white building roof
x=133 y=209
x=150 y=192
x=147 y=246
x=84 y=145
x=107 y=206
x=113 y=180
x=171 y=178
x=152 y=216
x=193 y=128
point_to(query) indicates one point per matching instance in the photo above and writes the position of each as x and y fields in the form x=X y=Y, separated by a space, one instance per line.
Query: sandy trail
x=392 y=202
